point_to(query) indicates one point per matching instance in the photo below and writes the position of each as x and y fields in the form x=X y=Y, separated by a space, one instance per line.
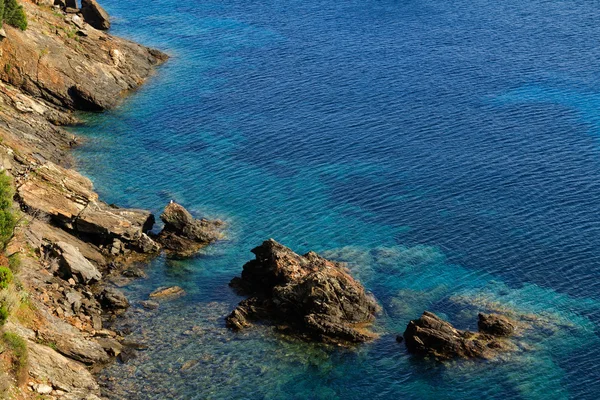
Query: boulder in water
x=308 y=295
x=183 y=235
x=431 y=336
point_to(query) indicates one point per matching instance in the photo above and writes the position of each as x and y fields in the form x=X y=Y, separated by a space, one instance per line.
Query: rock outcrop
x=69 y=200
x=431 y=336
x=308 y=296
x=88 y=72
x=183 y=235
x=95 y=15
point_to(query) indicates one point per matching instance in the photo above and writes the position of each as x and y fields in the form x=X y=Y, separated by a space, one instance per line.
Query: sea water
x=448 y=151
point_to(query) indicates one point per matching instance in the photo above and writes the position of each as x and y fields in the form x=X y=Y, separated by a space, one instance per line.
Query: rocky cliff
x=68 y=244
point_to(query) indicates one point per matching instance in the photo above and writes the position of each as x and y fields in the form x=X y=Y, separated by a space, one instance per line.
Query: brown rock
x=432 y=336
x=162 y=292
x=315 y=298
x=183 y=235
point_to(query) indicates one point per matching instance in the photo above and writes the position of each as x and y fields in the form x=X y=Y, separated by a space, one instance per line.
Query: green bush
x=3 y=314
x=6 y=277
x=7 y=219
x=13 y=14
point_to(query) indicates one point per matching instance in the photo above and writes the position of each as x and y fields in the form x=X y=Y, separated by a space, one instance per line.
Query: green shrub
x=7 y=219
x=3 y=314
x=13 y=14
x=6 y=277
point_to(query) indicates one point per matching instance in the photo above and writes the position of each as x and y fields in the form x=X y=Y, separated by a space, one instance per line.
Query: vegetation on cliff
x=13 y=14
x=7 y=225
x=7 y=218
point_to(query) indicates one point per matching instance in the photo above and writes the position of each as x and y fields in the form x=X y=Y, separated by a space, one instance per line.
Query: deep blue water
x=448 y=151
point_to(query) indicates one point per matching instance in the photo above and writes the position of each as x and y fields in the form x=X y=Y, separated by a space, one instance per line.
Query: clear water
x=448 y=151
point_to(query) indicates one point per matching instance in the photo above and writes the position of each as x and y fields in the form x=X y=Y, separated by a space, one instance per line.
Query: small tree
x=14 y=14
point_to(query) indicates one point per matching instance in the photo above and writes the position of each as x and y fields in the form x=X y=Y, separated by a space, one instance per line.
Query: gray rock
x=62 y=373
x=73 y=264
x=74 y=299
x=149 y=304
x=78 y=21
x=43 y=388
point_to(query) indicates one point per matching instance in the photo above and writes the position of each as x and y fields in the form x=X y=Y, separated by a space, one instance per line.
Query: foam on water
x=447 y=152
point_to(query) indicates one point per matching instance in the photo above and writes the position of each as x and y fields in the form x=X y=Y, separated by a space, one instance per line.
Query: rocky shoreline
x=70 y=246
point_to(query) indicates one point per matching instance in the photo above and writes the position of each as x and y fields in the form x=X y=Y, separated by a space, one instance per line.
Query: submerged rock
x=183 y=235
x=162 y=292
x=431 y=336
x=313 y=297
x=495 y=324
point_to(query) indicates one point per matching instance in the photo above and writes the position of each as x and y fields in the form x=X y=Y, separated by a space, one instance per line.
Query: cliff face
x=69 y=242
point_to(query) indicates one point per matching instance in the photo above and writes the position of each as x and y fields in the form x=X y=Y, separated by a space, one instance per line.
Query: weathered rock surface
x=495 y=324
x=68 y=199
x=72 y=264
x=431 y=336
x=59 y=371
x=75 y=74
x=95 y=15
x=313 y=297
x=71 y=343
x=183 y=235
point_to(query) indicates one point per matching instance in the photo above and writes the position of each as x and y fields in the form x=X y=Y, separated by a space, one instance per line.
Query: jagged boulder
x=72 y=264
x=95 y=15
x=431 y=336
x=495 y=324
x=307 y=295
x=183 y=235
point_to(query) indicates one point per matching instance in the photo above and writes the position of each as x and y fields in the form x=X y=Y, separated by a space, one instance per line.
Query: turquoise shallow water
x=449 y=152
